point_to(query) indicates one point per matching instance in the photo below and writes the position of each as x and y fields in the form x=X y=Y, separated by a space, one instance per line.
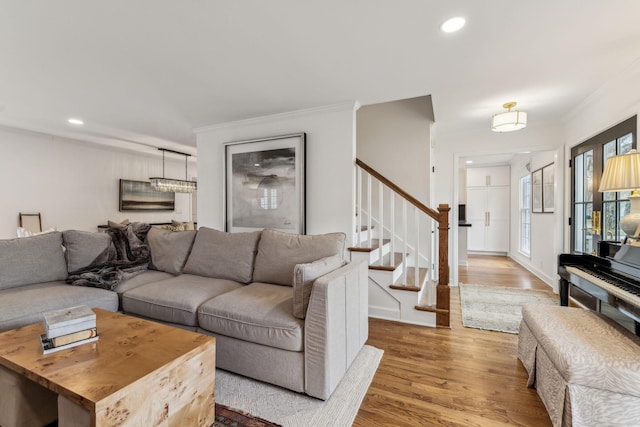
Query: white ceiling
x=150 y=71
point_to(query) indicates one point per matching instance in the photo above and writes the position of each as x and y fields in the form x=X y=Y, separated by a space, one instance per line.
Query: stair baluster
x=429 y=298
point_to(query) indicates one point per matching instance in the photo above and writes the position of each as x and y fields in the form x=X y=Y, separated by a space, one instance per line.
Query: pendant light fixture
x=168 y=185
x=509 y=120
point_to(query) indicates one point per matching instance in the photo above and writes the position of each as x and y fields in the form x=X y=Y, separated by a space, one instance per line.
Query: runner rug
x=290 y=409
x=496 y=308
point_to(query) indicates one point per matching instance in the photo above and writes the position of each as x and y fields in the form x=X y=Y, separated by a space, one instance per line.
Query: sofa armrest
x=336 y=327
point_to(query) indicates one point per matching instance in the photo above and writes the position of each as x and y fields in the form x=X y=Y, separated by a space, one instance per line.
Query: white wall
x=546 y=228
x=448 y=150
x=394 y=139
x=74 y=184
x=330 y=158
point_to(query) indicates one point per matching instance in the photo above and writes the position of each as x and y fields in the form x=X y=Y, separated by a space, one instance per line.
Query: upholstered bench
x=585 y=367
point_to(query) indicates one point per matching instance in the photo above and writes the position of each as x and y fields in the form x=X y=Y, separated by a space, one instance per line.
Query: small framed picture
x=536 y=191
x=548 y=190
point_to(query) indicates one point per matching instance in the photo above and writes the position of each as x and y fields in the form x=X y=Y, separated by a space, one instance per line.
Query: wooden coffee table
x=139 y=373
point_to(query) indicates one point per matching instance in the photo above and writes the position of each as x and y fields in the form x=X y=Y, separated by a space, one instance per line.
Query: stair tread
x=411 y=278
x=364 y=247
x=431 y=308
x=388 y=263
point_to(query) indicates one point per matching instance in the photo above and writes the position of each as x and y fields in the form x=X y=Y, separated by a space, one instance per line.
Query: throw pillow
x=84 y=247
x=115 y=224
x=304 y=275
x=171 y=227
x=278 y=253
x=223 y=255
x=169 y=250
x=188 y=225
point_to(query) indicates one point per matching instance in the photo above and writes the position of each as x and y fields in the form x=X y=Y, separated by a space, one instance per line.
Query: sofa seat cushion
x=278 y=254
x=24 y=305
x=260 y=312
x=586 y=348
x=175 y=300
x=30 y=260
x=143 y=278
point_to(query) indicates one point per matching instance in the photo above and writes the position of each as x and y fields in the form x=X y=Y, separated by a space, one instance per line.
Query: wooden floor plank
x=453 y=377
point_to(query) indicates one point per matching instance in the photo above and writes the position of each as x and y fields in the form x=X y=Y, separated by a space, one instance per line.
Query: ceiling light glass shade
x=169 y=185
x=509 y=121
x=173 y=185
x=622 y=173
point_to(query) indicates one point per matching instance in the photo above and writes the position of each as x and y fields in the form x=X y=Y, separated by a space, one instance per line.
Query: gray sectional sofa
x=285 y=309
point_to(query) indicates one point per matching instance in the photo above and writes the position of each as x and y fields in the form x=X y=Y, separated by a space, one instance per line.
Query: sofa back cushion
x=30 y=260
x=278 y=254
x=84 y=247
x=223 y=255
x=169 y=250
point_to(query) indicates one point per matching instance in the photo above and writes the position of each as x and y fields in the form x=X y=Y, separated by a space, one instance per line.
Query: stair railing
x=439 y=224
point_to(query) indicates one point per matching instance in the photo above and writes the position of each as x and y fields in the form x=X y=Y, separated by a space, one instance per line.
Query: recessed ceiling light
x=469 y=162
x=74 y=121
x=453 y=24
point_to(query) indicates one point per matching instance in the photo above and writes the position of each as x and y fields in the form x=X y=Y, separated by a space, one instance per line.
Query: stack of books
x=68 y=328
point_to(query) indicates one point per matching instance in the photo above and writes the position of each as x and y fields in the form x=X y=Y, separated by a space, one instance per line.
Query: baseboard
x=384 y=313
x=539 y=274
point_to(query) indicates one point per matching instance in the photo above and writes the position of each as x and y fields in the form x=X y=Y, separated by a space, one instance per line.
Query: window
x=596 y=216
x=525 y=215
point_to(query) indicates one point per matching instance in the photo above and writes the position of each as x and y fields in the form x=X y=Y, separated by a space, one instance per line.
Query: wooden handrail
x=408 y=197
x=441 y=216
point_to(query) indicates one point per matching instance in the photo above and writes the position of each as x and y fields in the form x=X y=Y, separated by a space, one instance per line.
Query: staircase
x=400 y=238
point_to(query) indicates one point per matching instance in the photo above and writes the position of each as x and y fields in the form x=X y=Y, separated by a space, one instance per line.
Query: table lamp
x=622 y=173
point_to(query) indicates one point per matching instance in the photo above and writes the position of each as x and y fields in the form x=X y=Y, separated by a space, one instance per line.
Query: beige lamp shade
x=621 y=173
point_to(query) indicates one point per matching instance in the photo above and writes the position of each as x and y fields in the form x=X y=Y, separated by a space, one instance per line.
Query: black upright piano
x=608 y=282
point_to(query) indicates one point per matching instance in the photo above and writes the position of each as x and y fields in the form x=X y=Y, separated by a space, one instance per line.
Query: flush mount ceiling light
x=453 y=24
x=75 y=121
x=509 y=120
x=168 y=185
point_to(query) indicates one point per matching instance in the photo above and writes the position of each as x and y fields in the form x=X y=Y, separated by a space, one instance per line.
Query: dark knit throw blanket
x=128 y=256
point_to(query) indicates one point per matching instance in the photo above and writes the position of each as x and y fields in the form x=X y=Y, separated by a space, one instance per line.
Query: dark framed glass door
x=596 y=216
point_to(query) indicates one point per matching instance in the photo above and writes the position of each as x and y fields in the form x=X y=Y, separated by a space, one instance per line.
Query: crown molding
x=343 y=106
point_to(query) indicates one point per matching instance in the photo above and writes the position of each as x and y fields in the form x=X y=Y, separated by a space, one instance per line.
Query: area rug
x=291 y=409
x=229 y=417
x=496 y=308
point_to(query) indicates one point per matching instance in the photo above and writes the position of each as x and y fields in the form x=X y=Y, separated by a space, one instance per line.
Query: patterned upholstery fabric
x=572 y=357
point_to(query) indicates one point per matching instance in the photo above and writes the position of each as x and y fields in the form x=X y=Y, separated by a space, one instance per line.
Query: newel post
x=442 y=289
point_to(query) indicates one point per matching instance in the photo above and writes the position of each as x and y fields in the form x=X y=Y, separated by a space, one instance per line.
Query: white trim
x=343 y=106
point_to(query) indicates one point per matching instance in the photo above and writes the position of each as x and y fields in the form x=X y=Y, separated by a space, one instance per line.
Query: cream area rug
x=293 y=409
x=496 y=308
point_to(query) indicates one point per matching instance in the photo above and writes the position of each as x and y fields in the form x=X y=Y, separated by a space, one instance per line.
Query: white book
x=70 y=329
x=68 y=320
x=47 y=345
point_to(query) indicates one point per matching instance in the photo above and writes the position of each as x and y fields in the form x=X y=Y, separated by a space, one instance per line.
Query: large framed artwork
x=139 y=196
x=548 y=191
x=265 y=184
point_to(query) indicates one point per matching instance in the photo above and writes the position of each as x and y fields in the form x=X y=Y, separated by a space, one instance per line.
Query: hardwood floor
x=453 y=377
